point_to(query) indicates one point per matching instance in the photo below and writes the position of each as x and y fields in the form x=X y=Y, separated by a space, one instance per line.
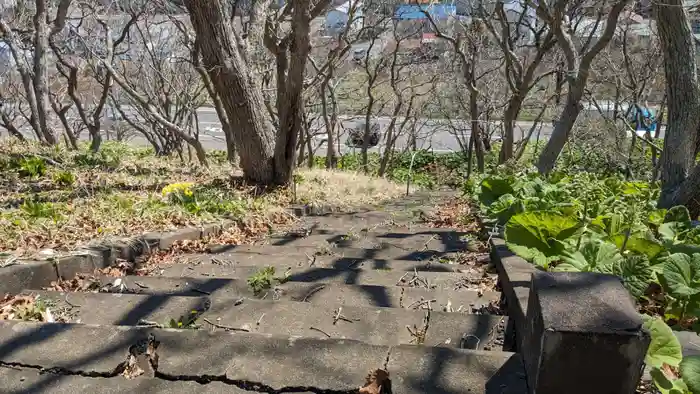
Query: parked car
x=359 y=54
x=356 y=137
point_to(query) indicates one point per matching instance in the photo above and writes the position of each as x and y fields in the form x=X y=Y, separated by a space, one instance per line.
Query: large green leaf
x=636 y=274
x=492 y=188
x=639 y=243
x=690 y=372
x=673 y=232
x=505 y=207
x=664 y=347
x=677 y=214
x=681 y=275
x=594 y=256
x=542 y=231
x=656 y=217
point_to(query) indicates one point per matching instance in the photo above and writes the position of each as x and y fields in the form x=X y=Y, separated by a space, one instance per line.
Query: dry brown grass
x=344 y=189
x=59 y=200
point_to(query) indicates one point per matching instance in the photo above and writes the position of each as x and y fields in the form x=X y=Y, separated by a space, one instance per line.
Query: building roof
x=416 y=11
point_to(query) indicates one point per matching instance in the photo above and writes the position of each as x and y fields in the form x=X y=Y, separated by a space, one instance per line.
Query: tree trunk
x=291 y=110
x=562 y=130
x=509 y=118
x=680 y=177
x=476 y=131
x=41 y=44
x=231 y=78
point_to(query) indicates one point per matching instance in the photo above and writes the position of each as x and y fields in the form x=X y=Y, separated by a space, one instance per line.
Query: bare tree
x=31 y=59
x=578 y=63
x=525 y=46
x=469 y=43
x=267 y=155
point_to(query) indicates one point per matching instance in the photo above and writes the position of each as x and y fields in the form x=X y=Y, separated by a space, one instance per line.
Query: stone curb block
x=27 y=275
x=30 y=274
x=39 y=274
x=515 y=275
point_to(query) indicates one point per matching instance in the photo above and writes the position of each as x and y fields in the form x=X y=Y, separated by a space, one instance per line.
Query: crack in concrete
x=247 y=385
x=65 y=371
x=129 y=369
x=253 y=386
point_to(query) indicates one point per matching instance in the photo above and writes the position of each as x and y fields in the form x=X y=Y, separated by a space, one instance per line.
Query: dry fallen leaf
x=377 y=382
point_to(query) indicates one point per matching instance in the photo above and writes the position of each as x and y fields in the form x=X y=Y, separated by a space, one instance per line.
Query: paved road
x=439 y=135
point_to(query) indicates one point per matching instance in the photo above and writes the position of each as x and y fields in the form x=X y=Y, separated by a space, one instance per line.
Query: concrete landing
x=274 y=363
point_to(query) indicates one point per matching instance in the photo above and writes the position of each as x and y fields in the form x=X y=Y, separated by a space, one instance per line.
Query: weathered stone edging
x=36 y=274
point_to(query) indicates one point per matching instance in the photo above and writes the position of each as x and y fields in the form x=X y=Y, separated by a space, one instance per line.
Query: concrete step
x=382 y=275
x=301 y=260
x=334 y=257
x=122 y=309
x=378 y=326
x=250 y=361
x=385 y=253
x=425 y=240
x=333 y=294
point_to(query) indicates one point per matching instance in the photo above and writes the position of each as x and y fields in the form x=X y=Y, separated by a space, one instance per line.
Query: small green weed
x=32 y=167
x=39 y=210
x=64 y=178
x=265 y=279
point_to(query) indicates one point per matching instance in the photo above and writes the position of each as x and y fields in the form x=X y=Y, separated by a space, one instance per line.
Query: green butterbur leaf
x=690 y=372
x=681 y=275
x=594 y=256
x=636 y=274
x=664 y=347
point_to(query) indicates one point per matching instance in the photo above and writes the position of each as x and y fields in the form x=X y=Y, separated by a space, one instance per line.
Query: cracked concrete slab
x=441 y=278
x=314 y=293
x=122 y=309
x=29 y=381
x=271 y=361
x=379 y=326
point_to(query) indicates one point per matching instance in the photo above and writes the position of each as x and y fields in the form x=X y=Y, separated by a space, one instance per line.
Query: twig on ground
x=70 y=303
x=339 y=316
x=227 y=328
x=319 y=330
x=312 y=292
x=420 y=303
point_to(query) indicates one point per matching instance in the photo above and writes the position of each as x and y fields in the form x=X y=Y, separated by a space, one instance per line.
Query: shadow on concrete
x=44 y=332
x=201 y=353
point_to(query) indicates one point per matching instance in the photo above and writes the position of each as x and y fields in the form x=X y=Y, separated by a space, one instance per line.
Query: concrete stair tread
x=387 y=252
x=335 y=294
x=439 y=241
x=379 y=326
x=277 y=362
x=280 y=261
x=435 y=276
